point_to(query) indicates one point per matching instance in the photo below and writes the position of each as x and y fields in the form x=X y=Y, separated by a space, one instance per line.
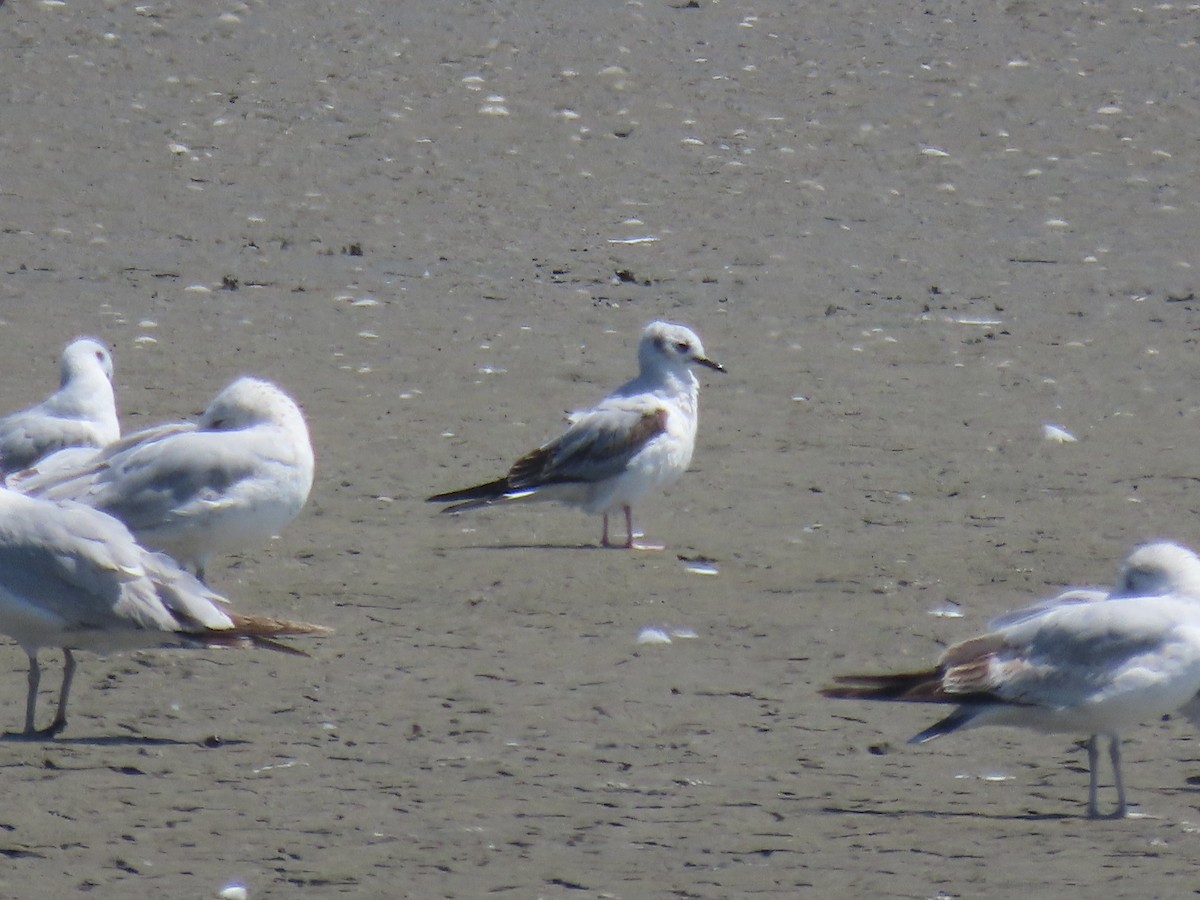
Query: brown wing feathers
x=913 y=687
x=259 y=631
x=965 y=674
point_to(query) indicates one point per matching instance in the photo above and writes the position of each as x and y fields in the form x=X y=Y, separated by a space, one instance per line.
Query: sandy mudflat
x=913 y=238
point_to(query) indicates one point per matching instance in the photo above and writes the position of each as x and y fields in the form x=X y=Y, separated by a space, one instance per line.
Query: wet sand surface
x=914 y=235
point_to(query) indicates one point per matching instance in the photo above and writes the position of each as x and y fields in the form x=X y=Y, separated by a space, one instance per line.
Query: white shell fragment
x=1057 y=434
x=653 y=634
x=287 y=764
x=641 y=239
x=234 y=891
x=665 y=634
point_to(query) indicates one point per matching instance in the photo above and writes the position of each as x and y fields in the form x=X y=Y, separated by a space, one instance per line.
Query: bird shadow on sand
x=117 y=740
x=951 y=814
x=534 y=547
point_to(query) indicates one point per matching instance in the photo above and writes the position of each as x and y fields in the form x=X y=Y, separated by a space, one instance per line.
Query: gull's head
x=1161 y=567
x=248 y=402
x=84 y=355
x=672 y=345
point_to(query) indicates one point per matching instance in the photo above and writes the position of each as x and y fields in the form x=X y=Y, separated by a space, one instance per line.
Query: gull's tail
x=259 y=631
x=473 y=497
x=909 y=687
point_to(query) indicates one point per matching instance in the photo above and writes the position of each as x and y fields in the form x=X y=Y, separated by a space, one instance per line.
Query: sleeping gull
x=639 y=437
x=1160 y=567
x=232 y=480
x=1149 y=570
x=1093 y=661
x=81 y=413
x=74 y=578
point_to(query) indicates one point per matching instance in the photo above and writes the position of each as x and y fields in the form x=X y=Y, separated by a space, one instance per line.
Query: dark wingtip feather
x=470 y=497
x=470 y=504
x=952 y=722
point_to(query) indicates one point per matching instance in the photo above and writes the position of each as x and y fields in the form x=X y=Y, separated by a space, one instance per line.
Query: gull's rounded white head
x=1161 y=567
x=82 y=356
x=667 y=343
x=249 y=401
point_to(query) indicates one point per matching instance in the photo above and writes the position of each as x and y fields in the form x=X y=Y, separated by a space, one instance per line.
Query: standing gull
x=74 y=578
x=1093 y=661
x=233 y=480
x=639 y=437
x=81 y=413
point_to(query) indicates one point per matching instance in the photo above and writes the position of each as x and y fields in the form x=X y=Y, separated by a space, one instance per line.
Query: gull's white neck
x=675 y=382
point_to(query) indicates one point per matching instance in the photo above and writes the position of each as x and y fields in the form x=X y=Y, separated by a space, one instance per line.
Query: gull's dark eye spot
x=683 y=346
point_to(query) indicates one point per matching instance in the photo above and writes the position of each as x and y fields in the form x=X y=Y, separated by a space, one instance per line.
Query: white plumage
x=81 y=413
x=232 y=480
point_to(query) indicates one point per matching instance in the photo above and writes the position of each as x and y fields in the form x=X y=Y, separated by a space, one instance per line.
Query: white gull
x=639 y=437
x=231 y=481
x=74 y=578
x=81 y=413
x=1091 y=661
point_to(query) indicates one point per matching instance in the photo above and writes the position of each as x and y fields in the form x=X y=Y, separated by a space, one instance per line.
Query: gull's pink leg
x=604 y=538
x=630 y=543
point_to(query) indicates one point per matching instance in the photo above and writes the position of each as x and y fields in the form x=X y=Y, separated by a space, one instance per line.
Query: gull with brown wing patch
x=639 y=437
x=1091 y=661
